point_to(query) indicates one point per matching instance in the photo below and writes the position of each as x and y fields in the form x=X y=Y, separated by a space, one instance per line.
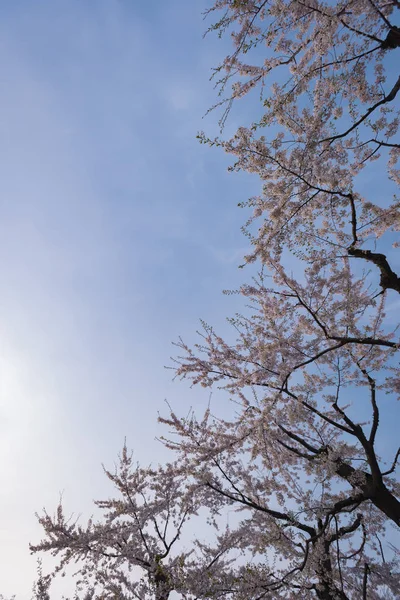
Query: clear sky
x=118 y=230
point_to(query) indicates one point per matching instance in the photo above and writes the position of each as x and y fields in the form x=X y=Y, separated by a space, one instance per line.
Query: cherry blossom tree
x=135 y=549
x=312 y=366
x=131 y=551
x=290 y=472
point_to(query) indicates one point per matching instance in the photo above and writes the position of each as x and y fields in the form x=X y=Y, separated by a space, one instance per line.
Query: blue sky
x=118 y=230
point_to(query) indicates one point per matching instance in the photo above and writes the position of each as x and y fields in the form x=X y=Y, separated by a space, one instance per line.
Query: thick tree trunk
x=377 y=493
x=162 y=585
x=329 y=594
x=327 y=590
x=387 y=503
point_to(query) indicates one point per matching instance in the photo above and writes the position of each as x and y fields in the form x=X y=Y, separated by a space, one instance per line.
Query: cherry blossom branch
x=343 y=340
x=394 y=464
x=345 y=530
x=321 y=12
x=375 y=141
x=380 y=13
x=388 y=98
x=365 y=581
x=243 y=499
x=389 y=280
x=360 y=549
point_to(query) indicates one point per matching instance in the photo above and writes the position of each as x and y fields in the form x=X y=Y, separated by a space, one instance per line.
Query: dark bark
x=162 y=583
x=387 y=503
x=327 y=590
x=375 y=491
x=392 y=39
x=368 y=486
x=327 y=593
x=389 y=279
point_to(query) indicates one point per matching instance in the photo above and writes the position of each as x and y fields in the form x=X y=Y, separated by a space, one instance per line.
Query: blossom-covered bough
x=290 y=473
x=134 y=549
x=131 y=551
